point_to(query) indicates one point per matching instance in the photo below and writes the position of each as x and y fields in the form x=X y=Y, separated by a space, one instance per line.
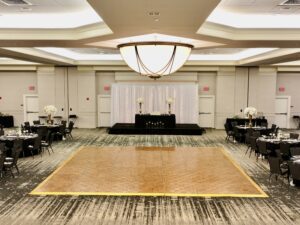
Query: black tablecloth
x=7 y=121
x=155 y=121
x=242 y=121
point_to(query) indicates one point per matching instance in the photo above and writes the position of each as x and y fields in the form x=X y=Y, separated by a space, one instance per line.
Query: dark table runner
x=7 y=121
x=155 y=121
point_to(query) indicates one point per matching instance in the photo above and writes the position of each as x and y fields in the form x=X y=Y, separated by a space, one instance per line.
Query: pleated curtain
x=124 y=103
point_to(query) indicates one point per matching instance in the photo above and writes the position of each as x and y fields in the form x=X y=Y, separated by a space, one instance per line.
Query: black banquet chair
x=277 y=168
x=229 y=133
x=68 y=130
x=47 y=144
x=16 y=150
x=284 y=149
x=36 y=147
x=4 y=166
x=262 y=149
x=294 y=170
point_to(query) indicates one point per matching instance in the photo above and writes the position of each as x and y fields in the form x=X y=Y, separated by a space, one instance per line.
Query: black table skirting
x=7 y=121
x=155 y=121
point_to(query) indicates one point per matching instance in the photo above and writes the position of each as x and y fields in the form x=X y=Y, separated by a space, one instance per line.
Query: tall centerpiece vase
x=140 y=101
x=49 y=119
x=140 y=110
x=250 y=121
x=169 y=102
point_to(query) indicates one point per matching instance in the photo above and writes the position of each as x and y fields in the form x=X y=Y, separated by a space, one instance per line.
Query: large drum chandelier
x=155 y=59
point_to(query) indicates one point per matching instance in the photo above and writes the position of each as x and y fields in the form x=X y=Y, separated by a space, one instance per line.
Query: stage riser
x=180 y=129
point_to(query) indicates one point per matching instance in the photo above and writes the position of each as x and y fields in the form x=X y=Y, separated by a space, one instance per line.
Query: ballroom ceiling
x=73 y=32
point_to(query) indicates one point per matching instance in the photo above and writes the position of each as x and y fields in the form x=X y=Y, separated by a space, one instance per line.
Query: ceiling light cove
x=275 y=21
x=246 y=53
x=48 y=14
x=76 y=55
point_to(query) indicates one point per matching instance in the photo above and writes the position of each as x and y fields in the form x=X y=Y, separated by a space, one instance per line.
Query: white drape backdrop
x=124 y=104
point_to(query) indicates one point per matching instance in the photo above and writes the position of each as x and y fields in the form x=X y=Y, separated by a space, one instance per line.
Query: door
x=282 y=111
x=104 y=111
x=207 y=111
x=31 y=108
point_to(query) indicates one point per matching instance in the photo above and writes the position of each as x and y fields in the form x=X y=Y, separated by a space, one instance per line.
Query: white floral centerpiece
x=250 y=112
x=140 y=101
x=50 y=110
x=169 y=101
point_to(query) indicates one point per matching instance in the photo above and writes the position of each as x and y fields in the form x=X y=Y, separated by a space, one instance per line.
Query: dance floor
x=150 y=171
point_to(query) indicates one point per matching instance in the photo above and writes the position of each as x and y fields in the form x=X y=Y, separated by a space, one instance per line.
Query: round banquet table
x=8 y=139
x=242 y=129
x=274 y=143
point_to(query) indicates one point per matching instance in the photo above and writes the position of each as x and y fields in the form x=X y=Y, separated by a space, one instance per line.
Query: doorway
x=282 y=111
x=207 y=111
x=31 y=108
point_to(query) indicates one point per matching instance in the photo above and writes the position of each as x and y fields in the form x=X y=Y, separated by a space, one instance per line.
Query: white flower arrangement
x=250 y=111
x=140 y=100
x=50 y=109
x=170 y=100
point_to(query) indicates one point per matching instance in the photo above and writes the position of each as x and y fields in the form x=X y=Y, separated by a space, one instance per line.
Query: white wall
x=82 y=97
x=208 y=80
x=228 y=84
x=13 y=85
x=262 y=91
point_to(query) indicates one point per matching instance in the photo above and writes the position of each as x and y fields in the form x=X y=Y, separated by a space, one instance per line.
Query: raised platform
x=180 y=129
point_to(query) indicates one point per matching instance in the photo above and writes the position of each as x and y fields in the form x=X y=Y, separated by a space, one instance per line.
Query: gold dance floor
x=150 y=171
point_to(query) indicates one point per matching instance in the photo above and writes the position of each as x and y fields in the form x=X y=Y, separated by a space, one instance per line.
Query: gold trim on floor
x=150 y=171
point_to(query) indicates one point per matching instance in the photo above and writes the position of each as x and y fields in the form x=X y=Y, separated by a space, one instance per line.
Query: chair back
x=2 y=159
x=226 y=125
x=255 y=134
x=274 y=163
x=16 y=149
x=253 y=142
x=248 y=135
x=273 y=128
x=71 y=125
x=36 y=122
x=294 y=135
x=294 y=170
x=64 y=123
x=42 y=132
x=27 y=126
x=262 y=147
x=51 y=138
x=37 y=143
x=285 y=149
x=295 y=151
x=2 y=147
x=233 y=124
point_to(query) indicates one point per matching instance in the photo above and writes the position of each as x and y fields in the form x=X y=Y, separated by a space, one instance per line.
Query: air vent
x=15 y=2
x=291 y=2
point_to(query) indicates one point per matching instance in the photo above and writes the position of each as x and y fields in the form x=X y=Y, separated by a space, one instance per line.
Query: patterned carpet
x=17 y=207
